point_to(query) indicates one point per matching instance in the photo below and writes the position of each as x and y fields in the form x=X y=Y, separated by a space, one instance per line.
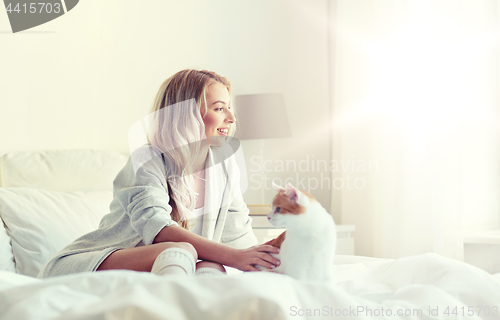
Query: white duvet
x=421 y=287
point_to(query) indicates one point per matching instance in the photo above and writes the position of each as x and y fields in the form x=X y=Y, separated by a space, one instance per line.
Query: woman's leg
x=142 y=258
x=209 y=268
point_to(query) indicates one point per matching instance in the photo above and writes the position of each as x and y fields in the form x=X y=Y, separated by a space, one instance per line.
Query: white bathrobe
x=140 y=209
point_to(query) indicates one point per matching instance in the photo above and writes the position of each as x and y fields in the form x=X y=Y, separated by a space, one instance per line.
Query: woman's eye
x=278 y=209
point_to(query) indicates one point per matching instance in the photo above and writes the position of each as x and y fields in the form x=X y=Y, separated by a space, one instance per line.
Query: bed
x=49 y=198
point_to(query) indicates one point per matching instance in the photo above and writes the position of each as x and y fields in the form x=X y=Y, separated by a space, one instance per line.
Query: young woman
x=177 y=198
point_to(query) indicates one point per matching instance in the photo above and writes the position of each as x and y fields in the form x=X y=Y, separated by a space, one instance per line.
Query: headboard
x=61 y=170
x=48 y=199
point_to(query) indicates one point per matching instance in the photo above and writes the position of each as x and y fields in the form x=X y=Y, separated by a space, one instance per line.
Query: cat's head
x=289 y=206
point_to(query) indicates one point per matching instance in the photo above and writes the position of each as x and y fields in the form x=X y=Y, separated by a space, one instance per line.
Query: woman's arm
x=242 y=259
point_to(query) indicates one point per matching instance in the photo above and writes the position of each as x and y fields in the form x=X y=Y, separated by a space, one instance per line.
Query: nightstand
x=481 y=249
x=264 y=231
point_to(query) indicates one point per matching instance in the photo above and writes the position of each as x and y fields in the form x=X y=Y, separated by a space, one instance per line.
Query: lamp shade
x=261 y=116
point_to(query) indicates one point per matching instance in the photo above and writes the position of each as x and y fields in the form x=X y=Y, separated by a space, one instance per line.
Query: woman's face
x=218 y=117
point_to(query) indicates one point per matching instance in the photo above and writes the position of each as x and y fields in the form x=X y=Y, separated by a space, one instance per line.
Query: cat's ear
x=292 y=192
x=277 y=187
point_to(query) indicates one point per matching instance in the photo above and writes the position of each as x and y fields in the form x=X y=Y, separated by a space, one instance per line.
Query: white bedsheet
x=426 y=282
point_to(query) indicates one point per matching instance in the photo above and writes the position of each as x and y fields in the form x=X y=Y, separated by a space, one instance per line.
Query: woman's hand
x=246 y=259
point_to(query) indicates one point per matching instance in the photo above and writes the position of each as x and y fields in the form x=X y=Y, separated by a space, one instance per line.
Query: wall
x=415 y=103
x=81 y=81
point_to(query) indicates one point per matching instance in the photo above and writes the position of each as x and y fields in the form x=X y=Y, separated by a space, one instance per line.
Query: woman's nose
x=231 y=118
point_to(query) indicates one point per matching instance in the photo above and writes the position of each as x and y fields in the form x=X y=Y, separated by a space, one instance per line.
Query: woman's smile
x=223 y=131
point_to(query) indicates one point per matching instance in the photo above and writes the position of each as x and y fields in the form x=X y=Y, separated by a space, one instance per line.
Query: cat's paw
x=275 y=270
x=261 y=268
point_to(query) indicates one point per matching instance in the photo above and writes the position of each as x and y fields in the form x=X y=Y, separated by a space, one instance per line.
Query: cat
x=307 y=247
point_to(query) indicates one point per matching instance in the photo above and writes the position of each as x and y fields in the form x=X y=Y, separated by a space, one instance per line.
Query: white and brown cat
x=307 y=247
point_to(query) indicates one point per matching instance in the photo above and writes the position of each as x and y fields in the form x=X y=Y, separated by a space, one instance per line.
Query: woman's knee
x=210 y=264
x=182 y=245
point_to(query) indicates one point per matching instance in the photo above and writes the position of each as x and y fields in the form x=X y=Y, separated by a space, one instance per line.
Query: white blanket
x=421 y=287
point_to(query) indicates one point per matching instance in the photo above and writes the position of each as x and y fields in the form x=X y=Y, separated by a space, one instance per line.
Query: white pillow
x=6 y=255
x=40 y=222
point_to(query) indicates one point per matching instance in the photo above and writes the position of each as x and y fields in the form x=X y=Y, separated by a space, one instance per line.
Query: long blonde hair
x=177 y=130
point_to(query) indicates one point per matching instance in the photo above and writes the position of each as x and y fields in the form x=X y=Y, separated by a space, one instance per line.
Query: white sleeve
x=143 y=194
